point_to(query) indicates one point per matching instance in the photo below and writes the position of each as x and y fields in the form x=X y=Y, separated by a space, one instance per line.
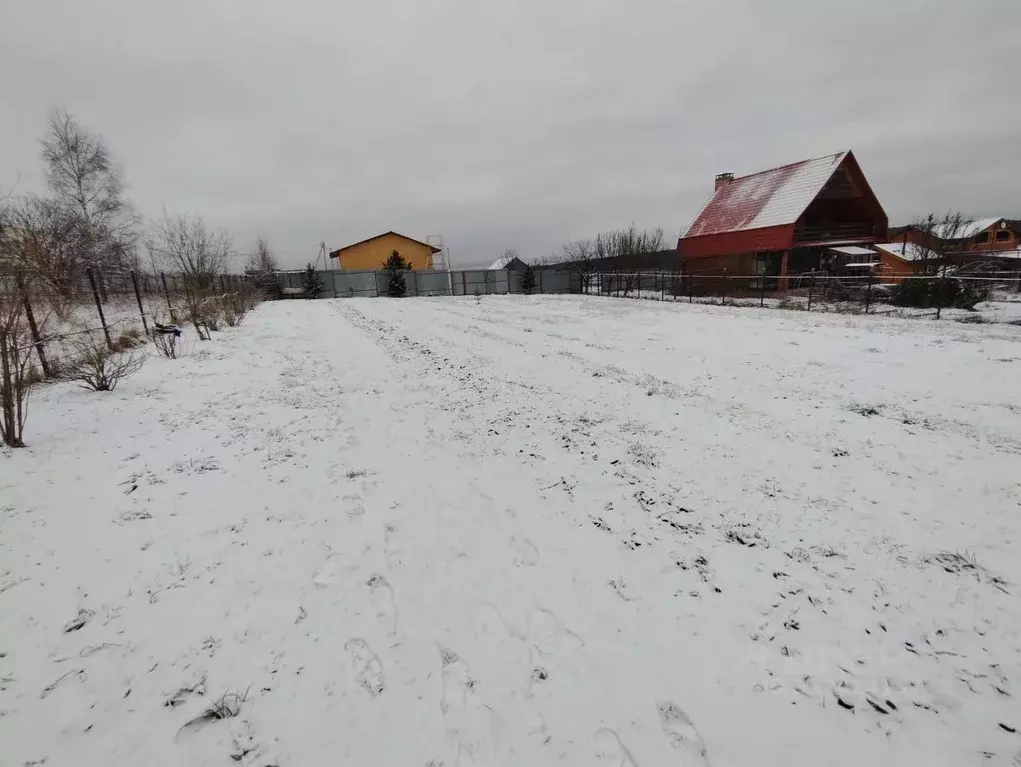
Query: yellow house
x=371 y=253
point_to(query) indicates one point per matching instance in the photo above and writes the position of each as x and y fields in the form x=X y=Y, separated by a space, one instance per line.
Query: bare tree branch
x=88 y=184
x=186 y=245
x=262 y=262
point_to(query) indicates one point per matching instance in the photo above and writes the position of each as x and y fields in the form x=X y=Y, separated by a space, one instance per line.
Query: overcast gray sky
x=516 y=124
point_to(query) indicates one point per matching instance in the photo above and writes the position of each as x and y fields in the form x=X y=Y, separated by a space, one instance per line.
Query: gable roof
x=912 y=252
x=774 y=197
x=506 y=262
x=338 y=251
x=968 y=229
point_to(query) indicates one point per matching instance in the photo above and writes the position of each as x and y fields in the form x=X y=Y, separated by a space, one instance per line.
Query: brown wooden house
x=781 y=221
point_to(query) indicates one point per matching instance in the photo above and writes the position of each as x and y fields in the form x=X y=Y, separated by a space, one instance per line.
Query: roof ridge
x=791 y=164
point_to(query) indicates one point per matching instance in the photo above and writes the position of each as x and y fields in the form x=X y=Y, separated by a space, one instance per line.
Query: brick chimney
x=722 y=179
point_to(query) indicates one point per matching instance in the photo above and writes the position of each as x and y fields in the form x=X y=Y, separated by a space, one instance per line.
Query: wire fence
x=60 y=318
x=867 y=293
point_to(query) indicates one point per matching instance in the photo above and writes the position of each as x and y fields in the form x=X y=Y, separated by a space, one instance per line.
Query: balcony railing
x=834 y=232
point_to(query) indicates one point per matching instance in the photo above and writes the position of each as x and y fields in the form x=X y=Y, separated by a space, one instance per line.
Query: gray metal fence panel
x=468 y=282
x=433 y=283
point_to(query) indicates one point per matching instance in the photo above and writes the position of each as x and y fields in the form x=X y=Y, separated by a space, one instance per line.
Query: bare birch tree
x=87 y=184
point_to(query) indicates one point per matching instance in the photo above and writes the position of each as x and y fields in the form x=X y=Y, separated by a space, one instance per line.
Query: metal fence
x=466 y=282
x=813 y=291
x=57 y=316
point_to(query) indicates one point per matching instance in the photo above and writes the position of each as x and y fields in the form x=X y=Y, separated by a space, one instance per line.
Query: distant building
x=513 y=263
x=371 y=253
x=779 y=222
x=983 y=235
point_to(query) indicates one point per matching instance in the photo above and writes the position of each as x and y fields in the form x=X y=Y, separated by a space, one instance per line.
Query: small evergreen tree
x=395 y=266
x=528 y=280
x=311 y=282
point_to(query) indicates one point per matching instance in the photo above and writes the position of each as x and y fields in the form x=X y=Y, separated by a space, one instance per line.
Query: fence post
x=99 y=306
x=38 y=342
x=464 y=283
x=868 y=295
x=723 y=298
x=939 y=292
x=166 y=295
x=102 y=286
x=811 y=286
x=762 y=287
x=691 y=288
x=414 y=278
x=540 y=281
x=138 y=297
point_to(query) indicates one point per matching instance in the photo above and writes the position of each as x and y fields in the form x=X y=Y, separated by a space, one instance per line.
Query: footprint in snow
x=392 y=548
x=609 y=748
x=354 y=505
x=382 y=595
x=325 y=576
x=466 y=718
x=367 y=667
x=681 y=733
x=525 y=553
x=550 y=637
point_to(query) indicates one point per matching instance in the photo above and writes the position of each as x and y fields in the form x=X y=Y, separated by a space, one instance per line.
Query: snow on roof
x=772 y=197
x=972 y=228
x=854 y=250
x=914 y=252
x=501 y=262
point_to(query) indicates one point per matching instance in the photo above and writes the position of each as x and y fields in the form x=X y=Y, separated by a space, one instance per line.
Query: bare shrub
x=164 y=338
x=97 y=367
x=233 y=308
x=212 y=314
x=17 y=373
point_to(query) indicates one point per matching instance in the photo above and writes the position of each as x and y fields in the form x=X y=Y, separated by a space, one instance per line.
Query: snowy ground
x=523 y=531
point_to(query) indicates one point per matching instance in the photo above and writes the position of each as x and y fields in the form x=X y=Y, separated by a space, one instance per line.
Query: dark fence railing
x=834 y=232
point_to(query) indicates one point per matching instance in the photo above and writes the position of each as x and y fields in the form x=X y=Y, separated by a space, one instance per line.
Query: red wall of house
x=749 y=241
x=1011 y=243
x=893 y=269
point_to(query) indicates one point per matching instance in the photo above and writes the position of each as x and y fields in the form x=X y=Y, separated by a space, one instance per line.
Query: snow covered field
x=523 y=531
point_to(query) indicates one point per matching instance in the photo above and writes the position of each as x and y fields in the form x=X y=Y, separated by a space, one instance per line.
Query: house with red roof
x=780 y=222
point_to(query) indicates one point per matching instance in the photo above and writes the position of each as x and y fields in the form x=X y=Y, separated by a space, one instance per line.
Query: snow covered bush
x=96 y=366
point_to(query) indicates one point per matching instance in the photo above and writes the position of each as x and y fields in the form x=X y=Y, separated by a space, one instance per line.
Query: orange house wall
x=372 y=254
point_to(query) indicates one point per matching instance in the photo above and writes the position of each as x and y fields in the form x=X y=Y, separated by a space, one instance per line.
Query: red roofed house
x=780 y=221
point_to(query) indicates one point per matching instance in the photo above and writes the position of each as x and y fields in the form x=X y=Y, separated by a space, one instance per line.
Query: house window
x=1003 y=235
x=982 y=237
